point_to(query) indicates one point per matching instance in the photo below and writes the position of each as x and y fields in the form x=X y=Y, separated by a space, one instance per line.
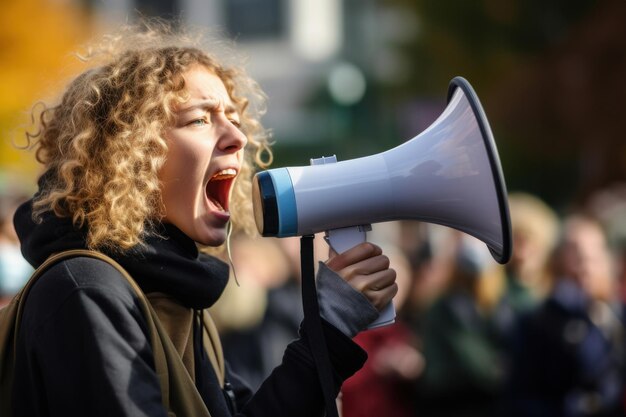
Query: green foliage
x=547 y=76
x=481 y=40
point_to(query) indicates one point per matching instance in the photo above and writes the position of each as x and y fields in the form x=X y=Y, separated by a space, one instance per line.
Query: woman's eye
x=236 y=123
x=198 y=122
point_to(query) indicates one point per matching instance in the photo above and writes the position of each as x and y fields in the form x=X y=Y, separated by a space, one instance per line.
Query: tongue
x=216 y=204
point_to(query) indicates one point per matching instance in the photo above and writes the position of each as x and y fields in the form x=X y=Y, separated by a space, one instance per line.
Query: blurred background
x=358 y=77
x=355 y=77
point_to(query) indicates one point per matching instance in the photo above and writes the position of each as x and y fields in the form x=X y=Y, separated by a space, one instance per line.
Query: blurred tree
x=482 y=40
x=549 y=75
x=568 y=101
x=36 y=38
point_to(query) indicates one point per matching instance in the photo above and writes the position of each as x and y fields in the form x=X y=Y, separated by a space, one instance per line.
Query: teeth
x=224 y=174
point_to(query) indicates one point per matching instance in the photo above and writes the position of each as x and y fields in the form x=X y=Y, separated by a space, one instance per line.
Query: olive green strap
x=185 y=400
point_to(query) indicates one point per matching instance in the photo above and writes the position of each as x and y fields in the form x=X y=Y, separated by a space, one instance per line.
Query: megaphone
x=450 y=174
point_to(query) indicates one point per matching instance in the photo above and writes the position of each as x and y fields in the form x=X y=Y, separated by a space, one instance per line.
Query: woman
x=141 y=157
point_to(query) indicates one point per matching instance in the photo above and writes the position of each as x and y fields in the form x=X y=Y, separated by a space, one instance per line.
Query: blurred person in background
x=534 y=232
x=608 y=205
x=427 y=247
x=462 y=349
x=14 y=270
x=384 y=386
x=569 y=354
x=534 y=228
x=431 y=257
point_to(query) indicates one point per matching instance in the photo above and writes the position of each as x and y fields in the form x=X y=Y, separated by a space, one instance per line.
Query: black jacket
x=83 y=347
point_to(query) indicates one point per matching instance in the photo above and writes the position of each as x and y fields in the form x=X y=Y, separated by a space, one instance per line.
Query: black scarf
x=168 y=262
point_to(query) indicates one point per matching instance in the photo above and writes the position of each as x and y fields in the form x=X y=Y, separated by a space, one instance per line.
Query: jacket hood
x=39 y=240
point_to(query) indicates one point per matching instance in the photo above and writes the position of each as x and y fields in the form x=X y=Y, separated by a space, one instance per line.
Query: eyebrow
x=211 y=104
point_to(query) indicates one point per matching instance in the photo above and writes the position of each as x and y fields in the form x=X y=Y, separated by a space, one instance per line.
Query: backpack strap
x=179 y=394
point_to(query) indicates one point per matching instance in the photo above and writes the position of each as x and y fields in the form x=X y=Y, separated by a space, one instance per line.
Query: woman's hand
x=367 y=270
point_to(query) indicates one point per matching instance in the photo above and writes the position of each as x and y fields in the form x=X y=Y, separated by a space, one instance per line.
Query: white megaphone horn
x=449 y=174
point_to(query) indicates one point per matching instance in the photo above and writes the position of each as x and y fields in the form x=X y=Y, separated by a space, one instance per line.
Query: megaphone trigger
x=346 y=238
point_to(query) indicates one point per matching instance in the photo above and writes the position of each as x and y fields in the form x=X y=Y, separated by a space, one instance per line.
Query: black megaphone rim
x=503 y=256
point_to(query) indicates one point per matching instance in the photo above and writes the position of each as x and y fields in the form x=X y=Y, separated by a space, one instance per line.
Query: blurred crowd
x=543 y=335
x=14 y=270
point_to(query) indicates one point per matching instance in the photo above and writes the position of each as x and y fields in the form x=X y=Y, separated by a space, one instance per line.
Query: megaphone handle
x=346 y=238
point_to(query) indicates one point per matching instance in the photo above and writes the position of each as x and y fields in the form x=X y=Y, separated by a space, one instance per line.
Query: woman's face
x=205 y=155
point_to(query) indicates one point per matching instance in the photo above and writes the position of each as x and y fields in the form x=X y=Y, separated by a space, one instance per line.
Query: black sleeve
x=293 y=388
x=84 y=348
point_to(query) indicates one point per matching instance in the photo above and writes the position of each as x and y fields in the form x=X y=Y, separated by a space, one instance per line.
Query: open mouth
x=218 y=188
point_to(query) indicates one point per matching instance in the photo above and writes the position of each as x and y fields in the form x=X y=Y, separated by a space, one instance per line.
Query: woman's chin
x=210 y=236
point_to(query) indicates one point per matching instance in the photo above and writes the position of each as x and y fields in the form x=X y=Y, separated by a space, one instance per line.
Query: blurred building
x=316 y=60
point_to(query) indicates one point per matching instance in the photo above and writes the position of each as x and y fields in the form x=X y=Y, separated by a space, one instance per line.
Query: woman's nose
x=232 y=138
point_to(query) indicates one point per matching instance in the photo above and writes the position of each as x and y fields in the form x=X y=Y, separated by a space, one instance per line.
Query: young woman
x=145 y=158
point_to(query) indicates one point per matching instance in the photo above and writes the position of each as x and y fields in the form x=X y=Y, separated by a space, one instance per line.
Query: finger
x=381 y=298
x=365 y=267
x=354 y=255
x=375 y=281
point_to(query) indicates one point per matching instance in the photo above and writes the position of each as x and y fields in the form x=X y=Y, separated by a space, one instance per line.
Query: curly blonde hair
x=102 y=145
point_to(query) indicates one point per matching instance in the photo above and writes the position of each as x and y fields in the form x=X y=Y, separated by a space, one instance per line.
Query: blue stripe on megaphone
x=286 y=199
